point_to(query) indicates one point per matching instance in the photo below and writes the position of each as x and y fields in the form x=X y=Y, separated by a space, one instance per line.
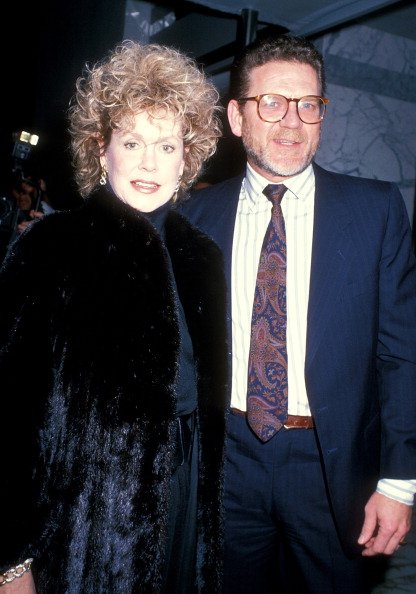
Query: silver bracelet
x=15 y=572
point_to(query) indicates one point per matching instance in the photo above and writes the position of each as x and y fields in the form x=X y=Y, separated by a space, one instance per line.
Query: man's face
x=25 y=196
x=282 y=149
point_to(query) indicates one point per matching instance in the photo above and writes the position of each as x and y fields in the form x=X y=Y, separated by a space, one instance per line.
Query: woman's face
x=145 y=164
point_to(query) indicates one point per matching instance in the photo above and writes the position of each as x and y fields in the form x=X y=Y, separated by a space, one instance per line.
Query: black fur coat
x=88 y=361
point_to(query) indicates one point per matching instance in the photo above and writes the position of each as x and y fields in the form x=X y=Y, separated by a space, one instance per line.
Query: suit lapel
x=224 y=235
x=330 y=261
x=223 y=222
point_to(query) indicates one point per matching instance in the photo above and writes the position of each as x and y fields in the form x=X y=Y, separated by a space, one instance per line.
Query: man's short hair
x=284 y=48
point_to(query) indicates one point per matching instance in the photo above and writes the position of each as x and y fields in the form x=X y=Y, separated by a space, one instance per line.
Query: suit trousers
x=280 y=535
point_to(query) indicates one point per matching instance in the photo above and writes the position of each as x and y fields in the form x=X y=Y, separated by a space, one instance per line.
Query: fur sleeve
x=23 y=326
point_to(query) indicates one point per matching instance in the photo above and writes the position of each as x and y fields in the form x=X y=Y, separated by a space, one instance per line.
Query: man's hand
x=386 y=524
x=35 y=214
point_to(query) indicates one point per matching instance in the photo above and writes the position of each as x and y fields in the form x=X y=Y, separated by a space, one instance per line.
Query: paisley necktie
x=267 y=369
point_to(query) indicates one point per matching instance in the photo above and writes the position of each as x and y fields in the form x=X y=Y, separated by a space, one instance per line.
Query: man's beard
x=263 y=160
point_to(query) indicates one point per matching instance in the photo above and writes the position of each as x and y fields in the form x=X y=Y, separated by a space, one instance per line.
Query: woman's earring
x=103 y=177
x=175 y=193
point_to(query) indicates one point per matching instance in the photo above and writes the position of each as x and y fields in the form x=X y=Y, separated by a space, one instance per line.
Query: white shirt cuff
x=399 y=490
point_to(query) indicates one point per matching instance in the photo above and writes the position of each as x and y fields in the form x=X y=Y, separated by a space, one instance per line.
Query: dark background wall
x=44 y=47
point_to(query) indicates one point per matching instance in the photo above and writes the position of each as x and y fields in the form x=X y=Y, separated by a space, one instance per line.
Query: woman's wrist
x=16 y=572
x=23 y=585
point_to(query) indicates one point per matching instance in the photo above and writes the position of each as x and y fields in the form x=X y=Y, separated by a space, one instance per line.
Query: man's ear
x=234 y=117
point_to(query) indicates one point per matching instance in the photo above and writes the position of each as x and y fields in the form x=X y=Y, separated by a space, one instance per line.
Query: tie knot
x=274 y=192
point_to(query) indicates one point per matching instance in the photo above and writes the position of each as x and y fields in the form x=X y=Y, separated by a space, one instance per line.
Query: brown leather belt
x=298 y=422
x=292 y=421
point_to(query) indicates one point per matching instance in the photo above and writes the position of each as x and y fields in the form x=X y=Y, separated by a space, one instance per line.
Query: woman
x=116 y=311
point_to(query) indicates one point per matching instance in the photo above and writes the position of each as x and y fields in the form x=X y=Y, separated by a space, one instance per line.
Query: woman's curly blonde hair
x=135 y=78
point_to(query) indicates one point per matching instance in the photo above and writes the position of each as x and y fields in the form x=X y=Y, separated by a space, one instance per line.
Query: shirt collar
x=300 y=185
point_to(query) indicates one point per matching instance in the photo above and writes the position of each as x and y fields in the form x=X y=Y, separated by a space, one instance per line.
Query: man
x=30 y=202
x=307 y=504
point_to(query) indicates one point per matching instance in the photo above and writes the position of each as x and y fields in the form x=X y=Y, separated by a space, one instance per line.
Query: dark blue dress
x=181 y=535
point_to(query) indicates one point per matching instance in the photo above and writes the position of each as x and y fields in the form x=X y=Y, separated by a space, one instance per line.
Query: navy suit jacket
x=360 y=367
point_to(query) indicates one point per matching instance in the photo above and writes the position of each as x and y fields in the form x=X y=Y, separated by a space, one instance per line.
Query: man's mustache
x=290 y=137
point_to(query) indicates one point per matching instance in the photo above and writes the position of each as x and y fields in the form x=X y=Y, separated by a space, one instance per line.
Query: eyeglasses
x=273 y=108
